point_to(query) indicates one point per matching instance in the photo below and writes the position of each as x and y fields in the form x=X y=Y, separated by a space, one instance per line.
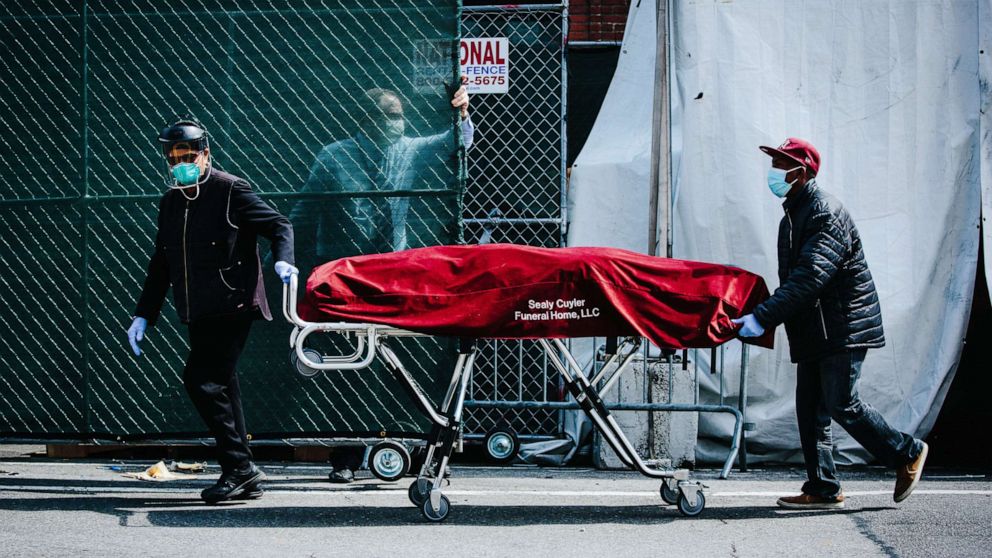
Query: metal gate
x=516 y=193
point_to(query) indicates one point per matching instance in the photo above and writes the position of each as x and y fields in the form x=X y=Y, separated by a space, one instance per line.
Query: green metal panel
x=86 y=88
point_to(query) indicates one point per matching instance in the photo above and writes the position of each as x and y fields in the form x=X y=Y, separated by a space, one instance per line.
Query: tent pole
x=660 y=188
x=660 y=183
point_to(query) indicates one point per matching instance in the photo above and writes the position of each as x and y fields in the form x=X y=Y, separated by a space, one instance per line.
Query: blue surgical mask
x=777 y=183
x=393 y=130
x=186 y=173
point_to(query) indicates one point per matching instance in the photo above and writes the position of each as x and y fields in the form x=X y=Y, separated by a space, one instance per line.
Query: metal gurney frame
x=425 y=492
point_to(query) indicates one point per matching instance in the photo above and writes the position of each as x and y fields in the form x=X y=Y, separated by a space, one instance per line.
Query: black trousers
x=347 y=457
x=212 y=383
x=826 y=389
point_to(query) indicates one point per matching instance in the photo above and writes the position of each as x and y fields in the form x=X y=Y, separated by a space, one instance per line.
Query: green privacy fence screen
x=86 y=86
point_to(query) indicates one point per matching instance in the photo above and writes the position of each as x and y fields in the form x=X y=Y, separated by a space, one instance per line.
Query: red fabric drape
x=521 y=292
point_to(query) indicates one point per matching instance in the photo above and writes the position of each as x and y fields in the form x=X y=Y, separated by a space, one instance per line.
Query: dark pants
x=347 y=457
x=827 y=388
x=212 y=383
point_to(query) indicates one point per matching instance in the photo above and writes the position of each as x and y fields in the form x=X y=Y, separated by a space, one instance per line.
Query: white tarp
x=608 y=195
x=889 y=93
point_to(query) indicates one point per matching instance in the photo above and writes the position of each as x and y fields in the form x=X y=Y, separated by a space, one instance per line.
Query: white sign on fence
x=485 y=65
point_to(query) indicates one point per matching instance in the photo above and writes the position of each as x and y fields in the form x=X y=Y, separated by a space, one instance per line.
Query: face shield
x=185 y=149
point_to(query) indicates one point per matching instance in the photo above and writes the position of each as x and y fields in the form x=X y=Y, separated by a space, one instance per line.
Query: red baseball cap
x=799 y=150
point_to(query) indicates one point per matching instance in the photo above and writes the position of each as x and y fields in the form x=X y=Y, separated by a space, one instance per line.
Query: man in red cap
x=827 y=300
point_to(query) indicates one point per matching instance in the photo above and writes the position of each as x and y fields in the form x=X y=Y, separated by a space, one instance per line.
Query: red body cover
x=521 y=292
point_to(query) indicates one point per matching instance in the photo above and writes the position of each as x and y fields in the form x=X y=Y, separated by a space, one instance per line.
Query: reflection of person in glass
x=380 y=157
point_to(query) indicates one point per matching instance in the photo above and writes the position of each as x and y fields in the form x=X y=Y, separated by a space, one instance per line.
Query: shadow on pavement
x=161 y=512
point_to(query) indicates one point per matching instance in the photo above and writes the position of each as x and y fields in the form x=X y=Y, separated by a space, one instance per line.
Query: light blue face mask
x=186 y=173
x=394 y=130
x=777 y=183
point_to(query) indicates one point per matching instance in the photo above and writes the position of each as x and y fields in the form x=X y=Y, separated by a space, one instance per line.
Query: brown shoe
x=908 y=476
x=810 y=502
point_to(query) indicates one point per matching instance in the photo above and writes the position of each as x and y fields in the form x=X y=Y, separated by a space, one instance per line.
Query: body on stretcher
x=505 y=291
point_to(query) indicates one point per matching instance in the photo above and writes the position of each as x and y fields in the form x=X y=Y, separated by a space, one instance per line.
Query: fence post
x=742 y=406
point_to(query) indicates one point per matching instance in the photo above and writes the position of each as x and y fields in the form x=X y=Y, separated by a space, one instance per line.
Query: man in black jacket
x=206 y=250
x=827 y=300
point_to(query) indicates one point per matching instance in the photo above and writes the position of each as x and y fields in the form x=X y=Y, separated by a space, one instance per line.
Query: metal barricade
x=603 y=380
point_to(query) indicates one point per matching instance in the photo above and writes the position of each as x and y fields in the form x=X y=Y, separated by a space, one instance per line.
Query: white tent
x=890 y=92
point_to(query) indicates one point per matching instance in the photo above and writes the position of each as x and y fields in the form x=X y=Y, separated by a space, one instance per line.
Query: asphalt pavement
x=88 y=508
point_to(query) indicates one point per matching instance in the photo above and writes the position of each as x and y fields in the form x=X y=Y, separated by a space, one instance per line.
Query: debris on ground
x=159 y=472
x=187 y=467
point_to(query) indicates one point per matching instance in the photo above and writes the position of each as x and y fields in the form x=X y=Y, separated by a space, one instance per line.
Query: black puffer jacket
x=826 y=296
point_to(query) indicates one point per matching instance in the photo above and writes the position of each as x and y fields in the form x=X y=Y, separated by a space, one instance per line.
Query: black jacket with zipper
x=826 y=296
x=207 y=250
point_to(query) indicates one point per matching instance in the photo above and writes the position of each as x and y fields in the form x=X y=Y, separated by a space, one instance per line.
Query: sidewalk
x=49 y=508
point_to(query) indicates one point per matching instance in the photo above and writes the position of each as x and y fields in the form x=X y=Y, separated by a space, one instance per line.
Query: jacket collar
x=801 y=196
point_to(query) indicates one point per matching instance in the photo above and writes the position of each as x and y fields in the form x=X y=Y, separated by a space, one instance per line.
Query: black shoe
x=341 y=476
x=253 y=492
x=234 y=485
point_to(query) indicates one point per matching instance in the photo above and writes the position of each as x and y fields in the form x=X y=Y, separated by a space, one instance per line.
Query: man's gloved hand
x=136 y=333
x=750 y=326
x=285 y=271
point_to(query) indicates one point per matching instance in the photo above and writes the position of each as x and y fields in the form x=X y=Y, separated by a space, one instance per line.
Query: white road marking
x=860 y=493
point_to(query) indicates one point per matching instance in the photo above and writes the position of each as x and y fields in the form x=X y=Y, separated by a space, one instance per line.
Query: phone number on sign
x=484 y=80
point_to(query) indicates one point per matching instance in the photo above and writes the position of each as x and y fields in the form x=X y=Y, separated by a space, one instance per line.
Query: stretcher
x=501 y=291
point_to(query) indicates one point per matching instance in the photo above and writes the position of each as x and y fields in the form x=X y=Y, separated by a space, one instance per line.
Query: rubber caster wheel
x=436 y=516
x=301 y=366
x=389 y=461
x=691 y=511
x=669 y=496
x=418 y=492
x=502 y=445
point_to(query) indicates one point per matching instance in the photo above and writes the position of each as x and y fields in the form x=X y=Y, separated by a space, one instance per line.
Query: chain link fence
x=515 y=194
x=285 y=89
x=282 y=88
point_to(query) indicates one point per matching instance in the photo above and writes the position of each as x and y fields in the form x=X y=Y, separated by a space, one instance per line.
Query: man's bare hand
x=460 y=101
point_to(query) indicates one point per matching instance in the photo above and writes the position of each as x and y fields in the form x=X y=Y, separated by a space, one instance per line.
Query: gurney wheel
x=436 y=516
x=389 y=461
x=669 y=496
x=691 y=511
x=502 y=445
x=301 y=367
x=419 y=491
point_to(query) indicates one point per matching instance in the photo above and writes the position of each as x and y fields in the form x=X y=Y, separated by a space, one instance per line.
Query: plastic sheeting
x=576 y=431
x=889 y=93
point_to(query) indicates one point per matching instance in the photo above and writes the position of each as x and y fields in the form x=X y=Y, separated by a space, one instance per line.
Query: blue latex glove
x=285 y=271
x=136 y=333
x=750 y=326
